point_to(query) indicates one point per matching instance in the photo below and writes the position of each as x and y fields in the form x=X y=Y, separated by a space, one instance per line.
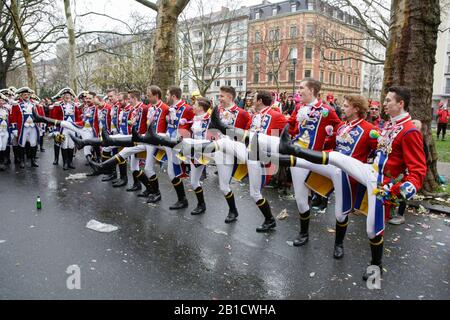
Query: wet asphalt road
x=163 y=254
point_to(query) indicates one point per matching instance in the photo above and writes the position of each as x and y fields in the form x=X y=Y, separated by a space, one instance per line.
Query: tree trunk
x=72 y=46
x=164 y=46
x=15 y=13
x=410 y=57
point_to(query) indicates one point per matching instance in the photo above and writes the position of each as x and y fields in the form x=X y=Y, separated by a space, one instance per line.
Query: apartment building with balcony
x=286 y=44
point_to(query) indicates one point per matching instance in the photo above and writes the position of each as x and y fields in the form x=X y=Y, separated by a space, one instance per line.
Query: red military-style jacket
x=179 y=119
x=125 y=119
x=63 y=111
x=156 y=116
x=114 y=115
x=89 y=118
x=104 y=117
x=269 y=121
x=234 y=116
x=354 y=139
x=400 y=151
x=308 y=122
x=20 y=114
x=139 y=117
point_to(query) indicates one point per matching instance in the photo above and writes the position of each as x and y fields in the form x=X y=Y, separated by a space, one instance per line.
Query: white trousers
x=255 y=173
x=29 y=134
x=366 y=175
x=85 y=133
x=3 y=140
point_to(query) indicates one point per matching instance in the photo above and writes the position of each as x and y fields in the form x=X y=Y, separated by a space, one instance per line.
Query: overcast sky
x=123 y=9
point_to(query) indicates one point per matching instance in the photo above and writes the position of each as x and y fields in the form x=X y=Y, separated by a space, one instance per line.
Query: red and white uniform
x=399 y=152
x=139 y=117
x=308 y=123
x=156 y=116
x=269 y=121
x=22 y=123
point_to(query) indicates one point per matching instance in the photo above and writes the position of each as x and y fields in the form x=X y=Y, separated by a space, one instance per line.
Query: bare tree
x=72 y=45
x=208 y=44
x=34 y=24
x=410 y=55
x=164 y=43
x=366 y=17
x=272 y=53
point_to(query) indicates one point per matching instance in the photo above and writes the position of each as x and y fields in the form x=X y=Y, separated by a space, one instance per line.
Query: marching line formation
x=370 y=169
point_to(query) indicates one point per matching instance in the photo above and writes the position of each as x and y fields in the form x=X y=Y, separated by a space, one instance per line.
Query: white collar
x=401 y=116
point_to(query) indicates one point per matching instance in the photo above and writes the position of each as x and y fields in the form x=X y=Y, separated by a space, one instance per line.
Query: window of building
x=274 y=34
x=307 y=73
x=257 y=15
x=293 y=7
x=256 y=57
x=321 y=76
x=217 y=70
x=256 y=77
x=341 y=79
x=291 y=75
x=309 y=30
x=310 y=4
x=228 y=70
x=293 y=32
x=342 y=60
x=257 y=37
x=274 y=11
x=228 y=82
x=185 y=88
x=240 y=69
x=447 y=86
x=240 y=54
x=270 y=77
x=356 y=82
x=308 y=53
x=239 y=83
x=218 y=83
x=348 y=81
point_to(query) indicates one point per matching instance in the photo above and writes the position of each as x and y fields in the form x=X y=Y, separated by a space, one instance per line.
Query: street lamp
x=294 y=62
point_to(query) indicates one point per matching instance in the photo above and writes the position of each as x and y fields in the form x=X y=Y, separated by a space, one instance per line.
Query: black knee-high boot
x=341 y=229
x=136 y=183
x=269 y=220
x=65 y=157
x=70 y=158
x=21 y=156
x=56 y=148
x=33 y=152
x=179 y=188
x=376 y=248
x=41 y=144
x=155 y=196
x=201 y=205
x=8 y=155
x=232 y=212
x=123 y=171
x=100 y=168
x=148 y=186
x=112 y=174
x=81 y=143
x=2 y=161
x=287 y=147
x=16 y=153
x=303 y=235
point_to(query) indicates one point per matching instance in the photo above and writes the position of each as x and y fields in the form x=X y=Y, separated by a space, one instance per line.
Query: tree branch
x=148 y=4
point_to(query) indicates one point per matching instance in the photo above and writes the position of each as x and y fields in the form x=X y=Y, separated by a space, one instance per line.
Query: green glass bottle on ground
x=38 y=203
